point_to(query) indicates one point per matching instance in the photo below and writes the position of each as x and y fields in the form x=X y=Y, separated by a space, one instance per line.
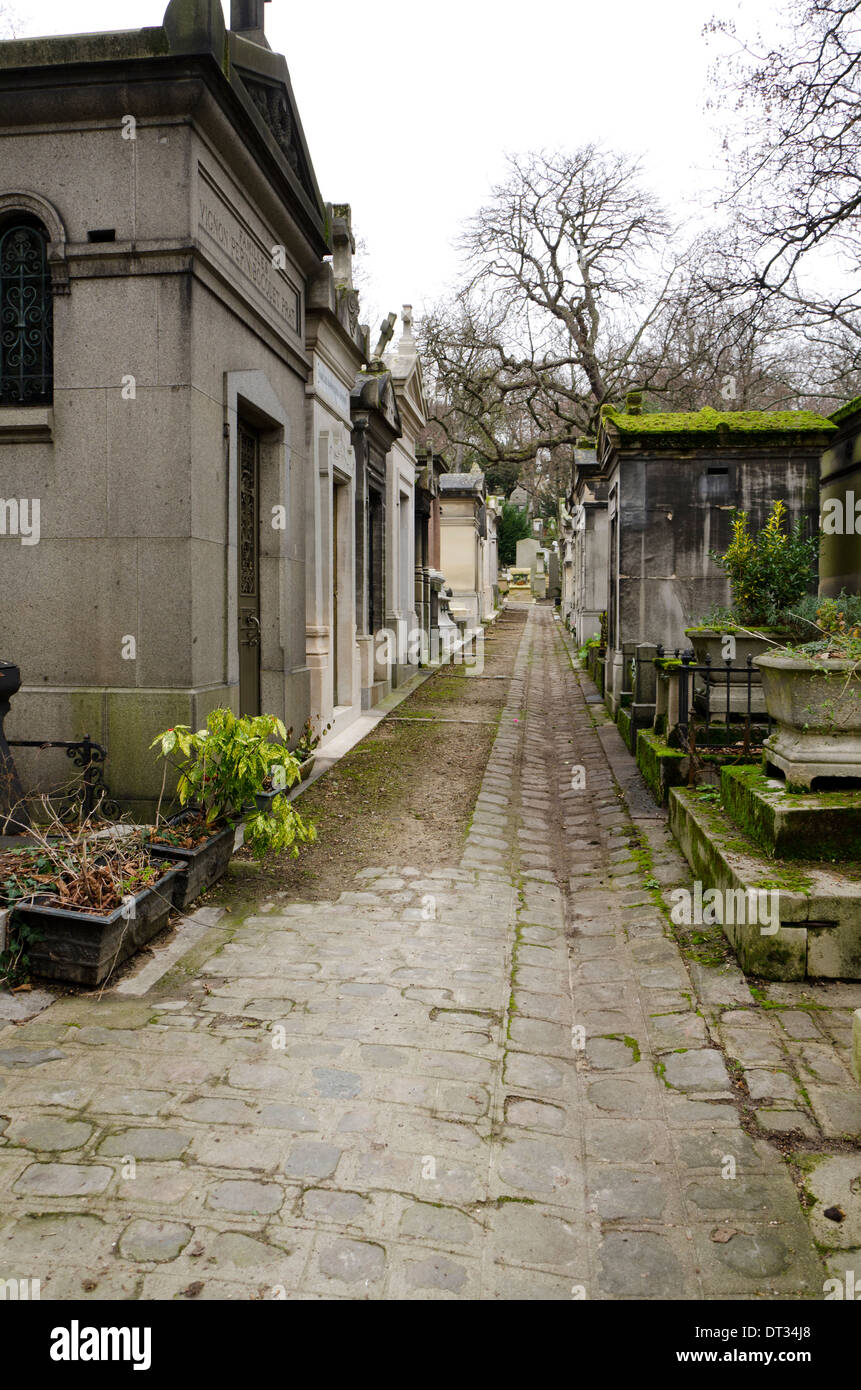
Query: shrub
x=223 y=767
x=768 y=573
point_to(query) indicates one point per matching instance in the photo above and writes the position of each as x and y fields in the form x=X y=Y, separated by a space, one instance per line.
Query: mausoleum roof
x=674 y=429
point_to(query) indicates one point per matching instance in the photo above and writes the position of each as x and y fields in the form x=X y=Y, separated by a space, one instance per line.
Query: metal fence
x=727 y=698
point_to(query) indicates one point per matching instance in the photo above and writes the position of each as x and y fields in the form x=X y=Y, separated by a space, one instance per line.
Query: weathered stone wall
x=170 y=333
x=840 y=483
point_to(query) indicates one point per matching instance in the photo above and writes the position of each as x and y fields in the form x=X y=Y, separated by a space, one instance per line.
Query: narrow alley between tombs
x=501 y=1077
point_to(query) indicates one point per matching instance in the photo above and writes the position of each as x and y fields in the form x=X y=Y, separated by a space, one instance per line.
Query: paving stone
x=351 y=1262
x=834 y=1180
x=770 y=1085
x=608 y=1054
x=145 y=1143
x=616 y=1194
x=523 y=1070
x=785 y=1121
x=154 y=1240
x=312 y=1160
x=54 y=1238
x=29 y=1057
x=436 y=1272
x=537 y=1166
x=701 y=1070
x=837 y=1109
x=439 y=1225
x=49 y=1134
x=753 y=1046
x=627 y=1097
x=246 y=1197
x=338 y=1085
x=626 y=1140
x=676 y=1030
x=639 y=1265
x=344 y=1208
x=63 y=1179
x=797 y=1023
x=534 y=1114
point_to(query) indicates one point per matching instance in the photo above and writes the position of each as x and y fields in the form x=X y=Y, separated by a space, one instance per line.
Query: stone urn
x=816 y=705
x=708 y=645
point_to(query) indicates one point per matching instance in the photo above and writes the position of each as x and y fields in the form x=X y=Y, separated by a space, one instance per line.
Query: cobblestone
x=523 y=1094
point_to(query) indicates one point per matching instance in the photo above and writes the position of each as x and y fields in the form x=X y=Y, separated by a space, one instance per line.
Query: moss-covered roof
x=850 y=408
x=676 y=428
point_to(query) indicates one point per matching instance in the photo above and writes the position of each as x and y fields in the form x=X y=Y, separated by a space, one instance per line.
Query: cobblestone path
x=494 y=1081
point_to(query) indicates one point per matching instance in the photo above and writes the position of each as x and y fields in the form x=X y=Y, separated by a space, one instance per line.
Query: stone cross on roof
x=387 y=332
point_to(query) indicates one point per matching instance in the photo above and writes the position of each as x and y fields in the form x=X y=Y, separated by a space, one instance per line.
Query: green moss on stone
x=674 y=429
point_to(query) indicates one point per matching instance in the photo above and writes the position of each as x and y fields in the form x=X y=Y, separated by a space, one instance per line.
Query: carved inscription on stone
x=249 y=254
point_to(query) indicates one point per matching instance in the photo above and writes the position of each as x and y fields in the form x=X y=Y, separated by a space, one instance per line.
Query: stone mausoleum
x=160 y=224
x=672 y=482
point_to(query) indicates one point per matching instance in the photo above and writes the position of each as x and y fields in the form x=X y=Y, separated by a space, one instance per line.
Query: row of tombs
x=219 y=490
x=749 y=734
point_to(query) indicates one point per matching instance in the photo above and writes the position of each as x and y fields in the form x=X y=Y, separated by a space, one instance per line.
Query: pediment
x=272 y=101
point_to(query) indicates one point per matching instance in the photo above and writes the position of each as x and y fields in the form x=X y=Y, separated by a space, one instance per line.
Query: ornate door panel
x=249 y=571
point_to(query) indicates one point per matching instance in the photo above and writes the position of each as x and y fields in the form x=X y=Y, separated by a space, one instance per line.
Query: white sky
x=409 y=109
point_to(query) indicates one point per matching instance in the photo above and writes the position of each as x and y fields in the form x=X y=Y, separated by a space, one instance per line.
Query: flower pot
x=85 y=948
x=204 y=864
x=816 y=706
x=708 y=645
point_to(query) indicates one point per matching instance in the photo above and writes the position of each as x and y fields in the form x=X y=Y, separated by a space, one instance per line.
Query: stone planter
x=816 y=706
x=84 y=948
x=203 y=865
x=708 y=643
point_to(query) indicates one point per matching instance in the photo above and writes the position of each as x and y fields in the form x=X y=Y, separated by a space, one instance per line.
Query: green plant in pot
x=223 y=768
x=768 y=573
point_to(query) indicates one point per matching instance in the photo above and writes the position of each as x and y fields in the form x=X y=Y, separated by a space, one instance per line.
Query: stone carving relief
x=271 y=101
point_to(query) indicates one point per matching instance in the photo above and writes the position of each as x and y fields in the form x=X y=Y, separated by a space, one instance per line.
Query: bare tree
x=567 y=270
x=794 y=115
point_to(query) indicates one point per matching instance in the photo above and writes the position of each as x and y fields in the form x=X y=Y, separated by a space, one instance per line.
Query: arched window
x=26 y=313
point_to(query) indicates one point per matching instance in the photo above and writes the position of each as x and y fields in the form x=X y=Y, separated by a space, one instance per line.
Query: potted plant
x=768 y=574
x=813 y=694
x=305 y=753
x=222 y=769
x=81 y=903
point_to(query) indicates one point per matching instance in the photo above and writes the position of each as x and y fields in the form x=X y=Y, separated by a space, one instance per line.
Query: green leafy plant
x=223 y=767
x=309 y=740
x=770 y=572
x=15 y=959
x=827 y=628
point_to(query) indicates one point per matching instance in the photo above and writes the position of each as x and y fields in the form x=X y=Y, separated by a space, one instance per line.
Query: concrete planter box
x=84 y=948
x=708 y=644
x=203 y=865
x=816 y=706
